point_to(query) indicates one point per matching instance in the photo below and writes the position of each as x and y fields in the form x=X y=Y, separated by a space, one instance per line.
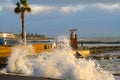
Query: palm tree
x=21 y=8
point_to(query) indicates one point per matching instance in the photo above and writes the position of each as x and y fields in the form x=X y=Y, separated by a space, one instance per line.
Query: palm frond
x=23 y=1
x=29 y=9
x=18 y=4
x=17 y=10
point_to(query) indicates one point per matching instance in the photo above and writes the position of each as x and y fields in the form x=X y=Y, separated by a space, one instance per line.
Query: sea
x=61 y=64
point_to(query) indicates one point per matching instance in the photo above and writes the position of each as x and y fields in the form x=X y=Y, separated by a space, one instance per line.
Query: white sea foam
x=60 y=63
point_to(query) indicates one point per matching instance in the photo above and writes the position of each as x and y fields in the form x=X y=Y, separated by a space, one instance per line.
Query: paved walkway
x=16 y=77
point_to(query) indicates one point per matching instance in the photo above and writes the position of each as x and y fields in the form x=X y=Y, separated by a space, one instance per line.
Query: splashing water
x=60 y=63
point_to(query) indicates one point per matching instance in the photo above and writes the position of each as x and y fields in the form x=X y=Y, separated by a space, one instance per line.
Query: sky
x=92 y=18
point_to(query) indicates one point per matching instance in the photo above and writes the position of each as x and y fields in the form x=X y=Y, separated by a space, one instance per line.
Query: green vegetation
x=32 y=36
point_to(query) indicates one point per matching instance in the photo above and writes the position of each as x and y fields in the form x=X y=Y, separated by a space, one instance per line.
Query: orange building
x=73 y=39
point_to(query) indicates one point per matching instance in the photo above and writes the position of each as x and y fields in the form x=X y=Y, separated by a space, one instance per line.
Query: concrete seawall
x=19 y=77
x=104 y=49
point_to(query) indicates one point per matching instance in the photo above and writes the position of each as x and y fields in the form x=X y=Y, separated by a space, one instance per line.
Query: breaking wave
x=60 y=63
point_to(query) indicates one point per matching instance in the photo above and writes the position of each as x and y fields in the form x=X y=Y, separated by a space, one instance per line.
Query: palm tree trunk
x=23 y=31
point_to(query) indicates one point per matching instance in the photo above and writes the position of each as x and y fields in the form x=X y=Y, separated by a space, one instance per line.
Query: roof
x=6 y=35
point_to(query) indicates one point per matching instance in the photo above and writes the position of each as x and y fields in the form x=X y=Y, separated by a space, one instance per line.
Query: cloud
x=69 y=9
x=36 y=9
x=72 y=2
x=94 y=7
x=71 y=6
x=0 y=8
x=7 y=5
x=107 y=6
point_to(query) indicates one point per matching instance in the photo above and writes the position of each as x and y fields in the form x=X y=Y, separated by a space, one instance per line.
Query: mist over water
x=60 y=63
